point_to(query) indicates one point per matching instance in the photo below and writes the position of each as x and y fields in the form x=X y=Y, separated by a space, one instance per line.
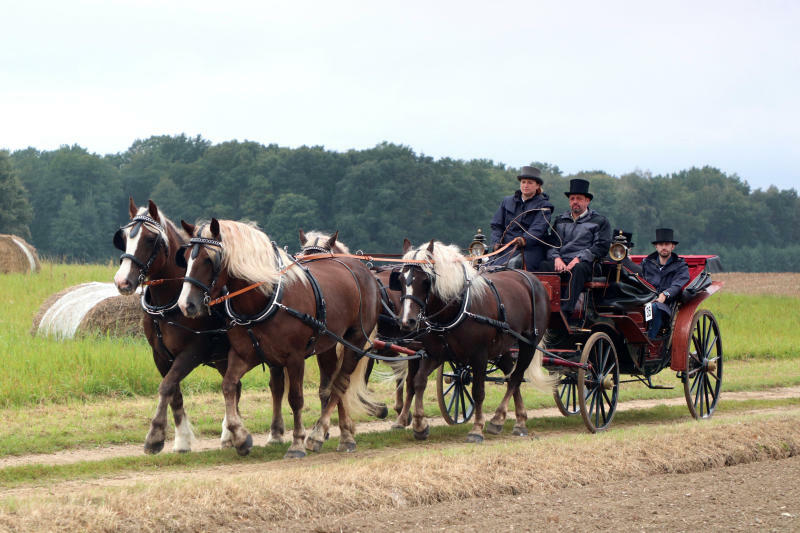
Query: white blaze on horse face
x=407 y=291
x=183 y=299
x=125 y=266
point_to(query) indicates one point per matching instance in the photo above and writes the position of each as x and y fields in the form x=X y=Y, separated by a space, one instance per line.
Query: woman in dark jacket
x=524 y=214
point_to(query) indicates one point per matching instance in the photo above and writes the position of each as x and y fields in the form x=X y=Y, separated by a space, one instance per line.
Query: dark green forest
x=68 y=202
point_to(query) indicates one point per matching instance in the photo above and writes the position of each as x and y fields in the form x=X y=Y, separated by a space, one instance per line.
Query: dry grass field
x=777 y=283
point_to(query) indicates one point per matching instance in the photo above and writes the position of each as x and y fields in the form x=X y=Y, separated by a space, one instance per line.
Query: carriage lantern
x=618 y=251
x=478 y=245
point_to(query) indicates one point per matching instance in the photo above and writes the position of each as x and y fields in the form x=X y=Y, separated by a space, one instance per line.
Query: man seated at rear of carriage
x=524 y=214
x=668 y=273
x=585 y=236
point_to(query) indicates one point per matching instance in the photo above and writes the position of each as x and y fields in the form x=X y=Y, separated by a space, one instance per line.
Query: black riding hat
x=531 y=173
x=664 y=235
x=579 y=186
x=627 y=234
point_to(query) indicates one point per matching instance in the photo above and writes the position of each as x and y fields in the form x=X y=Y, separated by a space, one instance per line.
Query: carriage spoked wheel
x=598 y=387
x=455 y=401
x=565 y=394
x=703 y=377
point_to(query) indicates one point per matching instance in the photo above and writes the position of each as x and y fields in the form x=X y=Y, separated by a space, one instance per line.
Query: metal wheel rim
x=455 y=401
x=702 y=379
x=565 y=394
x=597 y=405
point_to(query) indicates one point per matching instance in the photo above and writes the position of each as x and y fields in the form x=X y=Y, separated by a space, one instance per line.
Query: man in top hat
x=524 y=214
x=585 y=236
x=668 y=273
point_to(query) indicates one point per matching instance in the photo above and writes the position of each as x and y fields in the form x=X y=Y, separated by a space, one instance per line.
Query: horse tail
x=357 y=398
x=536 y=375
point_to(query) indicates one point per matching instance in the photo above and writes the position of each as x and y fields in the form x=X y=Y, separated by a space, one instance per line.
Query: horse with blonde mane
x=296 y=310
x=472 y=319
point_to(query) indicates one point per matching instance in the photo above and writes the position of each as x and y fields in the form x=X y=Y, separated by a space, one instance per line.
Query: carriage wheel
x=455 y=401
x=565 y=394
x=598 y=387
x=703 y=377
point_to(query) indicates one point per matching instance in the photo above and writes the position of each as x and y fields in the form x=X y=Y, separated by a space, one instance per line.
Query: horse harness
x=502 y=324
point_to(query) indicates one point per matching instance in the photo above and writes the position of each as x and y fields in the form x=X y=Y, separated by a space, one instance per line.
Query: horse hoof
x=153 y=448
x=294 y=454
x=474 y=438
x=397 y=425
x=183 y=450
x=494 y=429
x=384 y=412
x=422 y=435
x=313 y=445
x=346 y=447
x=519 y=432
x=244 y=449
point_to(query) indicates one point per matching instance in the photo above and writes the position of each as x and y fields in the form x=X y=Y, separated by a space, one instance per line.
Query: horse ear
x=406 y=245
x=430 y=247
x=302 y=235
x=153 y=208
x=188 y=228
x=332 y=240
x=132 y=209
x=214 y=227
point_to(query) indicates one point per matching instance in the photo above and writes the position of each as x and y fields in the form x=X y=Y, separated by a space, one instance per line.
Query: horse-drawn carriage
x=607 y=338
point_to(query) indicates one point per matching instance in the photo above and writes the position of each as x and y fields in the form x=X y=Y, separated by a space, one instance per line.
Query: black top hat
x=579 y=186
x=531 y=173
x=627 y=234
x=664 y=235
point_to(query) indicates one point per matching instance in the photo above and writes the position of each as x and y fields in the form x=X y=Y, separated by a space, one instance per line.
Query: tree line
x=68 y=202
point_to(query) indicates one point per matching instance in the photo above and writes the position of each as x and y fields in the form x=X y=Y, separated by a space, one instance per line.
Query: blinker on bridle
x=119 y=242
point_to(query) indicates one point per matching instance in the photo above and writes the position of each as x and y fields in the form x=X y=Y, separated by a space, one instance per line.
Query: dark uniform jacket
x=668 y=279
x=533 y=223
x=588 y=238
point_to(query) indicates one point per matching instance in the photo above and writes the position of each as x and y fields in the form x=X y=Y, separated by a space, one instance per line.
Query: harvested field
x=777 y=283
x=88 y=308
x=16 y=255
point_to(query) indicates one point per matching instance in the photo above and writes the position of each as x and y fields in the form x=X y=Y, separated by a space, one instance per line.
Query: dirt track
x=109 y=452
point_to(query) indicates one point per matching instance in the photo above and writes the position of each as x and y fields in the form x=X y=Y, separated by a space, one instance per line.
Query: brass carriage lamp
x=478 y=245
x=619 y=251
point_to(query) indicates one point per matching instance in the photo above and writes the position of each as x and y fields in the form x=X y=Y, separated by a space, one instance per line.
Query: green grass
x=757 y=326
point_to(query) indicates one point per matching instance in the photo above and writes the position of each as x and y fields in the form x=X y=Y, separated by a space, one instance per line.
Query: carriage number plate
x=648 y=312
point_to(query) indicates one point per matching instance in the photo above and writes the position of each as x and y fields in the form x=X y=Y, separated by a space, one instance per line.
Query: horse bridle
x=195 y=243
x=119 y=242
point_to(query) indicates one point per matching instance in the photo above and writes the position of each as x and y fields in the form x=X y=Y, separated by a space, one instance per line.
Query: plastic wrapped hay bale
x=89 y=308
x=16 y=255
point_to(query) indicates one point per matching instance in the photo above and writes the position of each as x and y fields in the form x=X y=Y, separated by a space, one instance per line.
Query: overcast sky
x=614 y=86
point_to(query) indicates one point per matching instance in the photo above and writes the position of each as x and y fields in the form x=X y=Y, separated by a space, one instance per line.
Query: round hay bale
x=89 y=308
x=16 y=255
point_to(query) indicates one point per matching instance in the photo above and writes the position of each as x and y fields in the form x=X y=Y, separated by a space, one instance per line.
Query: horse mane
x=447 y=269
x=319 y=238
x=248 y=254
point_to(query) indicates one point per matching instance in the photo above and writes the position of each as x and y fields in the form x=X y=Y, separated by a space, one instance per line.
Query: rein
x=361 y=257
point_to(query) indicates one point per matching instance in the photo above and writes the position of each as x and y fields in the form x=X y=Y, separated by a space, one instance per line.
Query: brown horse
x=149 y=242
x=296 y=311
x=315 y=242
x=472 y=319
